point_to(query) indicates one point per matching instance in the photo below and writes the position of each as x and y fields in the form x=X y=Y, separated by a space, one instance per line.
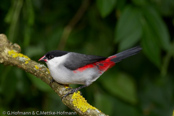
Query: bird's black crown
x=55 y=53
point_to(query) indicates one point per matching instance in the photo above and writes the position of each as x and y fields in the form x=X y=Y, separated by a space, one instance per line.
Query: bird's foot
x=70 y=92
x=73 y=90
x=67 y=87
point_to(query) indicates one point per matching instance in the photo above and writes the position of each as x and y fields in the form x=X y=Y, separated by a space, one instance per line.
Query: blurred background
x=142 y=85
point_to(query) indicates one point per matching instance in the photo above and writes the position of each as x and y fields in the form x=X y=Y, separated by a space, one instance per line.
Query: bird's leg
x=52 y=80
x=74 y=90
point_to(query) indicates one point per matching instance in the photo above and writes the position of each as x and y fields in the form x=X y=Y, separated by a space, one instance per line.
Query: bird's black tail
x=122 y=55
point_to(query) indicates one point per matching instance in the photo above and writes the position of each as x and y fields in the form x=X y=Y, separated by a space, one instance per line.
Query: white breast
x=57 y=70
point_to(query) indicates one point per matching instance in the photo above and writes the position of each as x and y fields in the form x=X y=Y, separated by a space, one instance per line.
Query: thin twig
x=67 y=30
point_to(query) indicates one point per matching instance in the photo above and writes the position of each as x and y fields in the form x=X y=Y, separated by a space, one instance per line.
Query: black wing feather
x=76 y=60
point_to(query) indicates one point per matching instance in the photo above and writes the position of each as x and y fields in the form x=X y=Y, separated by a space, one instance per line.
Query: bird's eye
x=50 y=56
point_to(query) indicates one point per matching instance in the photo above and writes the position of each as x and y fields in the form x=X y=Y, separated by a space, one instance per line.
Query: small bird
x=75 y=68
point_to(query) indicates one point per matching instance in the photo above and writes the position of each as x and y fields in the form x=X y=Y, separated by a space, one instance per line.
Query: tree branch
x=9 y=55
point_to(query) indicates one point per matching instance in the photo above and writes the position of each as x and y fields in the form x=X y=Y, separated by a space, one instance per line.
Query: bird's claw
x=68 y=88
x=70 y=92
x=52 y=80
x=74 y=90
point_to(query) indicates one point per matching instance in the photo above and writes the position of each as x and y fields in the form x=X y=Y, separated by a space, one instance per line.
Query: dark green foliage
x=140 y=85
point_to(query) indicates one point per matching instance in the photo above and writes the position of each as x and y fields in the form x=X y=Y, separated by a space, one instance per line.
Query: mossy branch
x=10 y=55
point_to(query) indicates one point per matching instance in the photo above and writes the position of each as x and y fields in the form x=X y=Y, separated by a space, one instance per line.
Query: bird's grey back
x=77 y=60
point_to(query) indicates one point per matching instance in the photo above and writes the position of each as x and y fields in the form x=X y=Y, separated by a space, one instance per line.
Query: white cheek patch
x=56 y=61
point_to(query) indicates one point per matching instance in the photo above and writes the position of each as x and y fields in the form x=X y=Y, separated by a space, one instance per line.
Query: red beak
x=43 y=59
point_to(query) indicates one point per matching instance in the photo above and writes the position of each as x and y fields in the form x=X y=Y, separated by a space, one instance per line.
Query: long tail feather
x=122 y=55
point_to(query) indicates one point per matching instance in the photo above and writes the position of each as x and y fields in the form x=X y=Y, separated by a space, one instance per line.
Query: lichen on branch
x=10 y=55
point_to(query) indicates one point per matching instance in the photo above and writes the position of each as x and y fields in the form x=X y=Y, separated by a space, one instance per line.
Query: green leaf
x=150 y=46
x=39 y=83
x=9 y=86
x=122 y=86
x=130 y=41
x=157 y=26
x=165 y=7
x=103 y=102
x=120 y=5
x=125 y=109
x=140 y=2
x=128 y=30
x=105 y=6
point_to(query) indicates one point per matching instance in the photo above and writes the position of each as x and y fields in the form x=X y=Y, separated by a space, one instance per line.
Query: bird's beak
x=43 y=59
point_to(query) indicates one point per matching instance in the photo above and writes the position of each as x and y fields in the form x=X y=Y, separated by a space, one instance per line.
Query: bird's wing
x=76 y=60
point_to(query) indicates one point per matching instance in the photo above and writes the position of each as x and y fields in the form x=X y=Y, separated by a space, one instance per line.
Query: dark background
x=141 y=85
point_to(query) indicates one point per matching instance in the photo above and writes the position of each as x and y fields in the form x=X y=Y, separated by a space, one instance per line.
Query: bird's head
x=52 y=55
